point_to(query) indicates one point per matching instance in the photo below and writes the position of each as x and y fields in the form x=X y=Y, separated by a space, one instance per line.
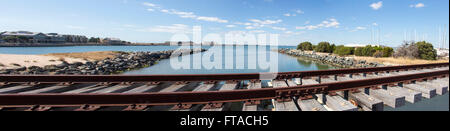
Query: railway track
x=367 y=89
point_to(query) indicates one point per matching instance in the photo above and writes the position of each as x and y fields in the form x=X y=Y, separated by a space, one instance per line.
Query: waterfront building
x=38 y=37
x=55 y=38
x=112 y=41
x=75 y=38
x=24 y=37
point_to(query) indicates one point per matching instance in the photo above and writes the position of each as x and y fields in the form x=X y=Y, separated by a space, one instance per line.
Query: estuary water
x=244 y=60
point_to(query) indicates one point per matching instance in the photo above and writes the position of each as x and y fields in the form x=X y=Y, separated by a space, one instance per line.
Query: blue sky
x=336 y=21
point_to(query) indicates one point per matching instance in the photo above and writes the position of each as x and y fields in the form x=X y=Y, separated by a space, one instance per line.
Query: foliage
x=324 y=47
x=365 y=51
x=408 y=50
x=305 y=46
x=420 y=50
x=387 y=51
x=378 y=54
x=343 y=51
x=94 y=40
x=426 y=50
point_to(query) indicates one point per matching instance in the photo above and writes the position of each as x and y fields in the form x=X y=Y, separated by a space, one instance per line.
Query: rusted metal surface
x=108 y=79
x=90 y=102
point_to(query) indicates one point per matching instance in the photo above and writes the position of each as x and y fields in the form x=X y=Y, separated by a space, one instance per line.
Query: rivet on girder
x=213 y=105
x=181 y=106
x=88 y=108
x=252 y=102
x=135 y=107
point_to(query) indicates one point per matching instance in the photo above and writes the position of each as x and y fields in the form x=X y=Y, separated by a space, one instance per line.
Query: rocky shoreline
x=343 y=62
x=124 y=61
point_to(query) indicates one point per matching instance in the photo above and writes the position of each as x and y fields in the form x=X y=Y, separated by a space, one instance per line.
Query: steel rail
x=199 y=77
x=183 y=98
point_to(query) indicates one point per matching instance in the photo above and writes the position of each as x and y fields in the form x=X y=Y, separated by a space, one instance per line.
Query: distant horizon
x=342 y=22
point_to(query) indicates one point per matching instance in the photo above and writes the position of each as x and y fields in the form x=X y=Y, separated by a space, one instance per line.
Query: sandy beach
x=11 y=61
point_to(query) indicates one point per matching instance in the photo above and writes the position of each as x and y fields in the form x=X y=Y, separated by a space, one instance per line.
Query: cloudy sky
x=338 y=21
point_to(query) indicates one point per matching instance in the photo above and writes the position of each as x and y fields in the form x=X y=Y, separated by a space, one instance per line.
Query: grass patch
x=399 y=61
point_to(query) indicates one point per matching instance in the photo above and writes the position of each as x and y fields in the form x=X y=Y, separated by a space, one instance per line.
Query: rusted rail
x=199 y=78
x=45 y=101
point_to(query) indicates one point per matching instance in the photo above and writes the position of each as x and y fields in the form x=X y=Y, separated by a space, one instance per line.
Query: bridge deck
x=392 y=95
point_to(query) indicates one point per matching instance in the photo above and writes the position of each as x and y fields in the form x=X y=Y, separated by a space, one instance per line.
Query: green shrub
x=387 y=51
x=343 y=51
x=305 y=46
x=378 y=54
x=426 y=50
x=324 y=47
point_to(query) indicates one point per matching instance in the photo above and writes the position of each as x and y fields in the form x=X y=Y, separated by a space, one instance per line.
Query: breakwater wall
x=344 y=62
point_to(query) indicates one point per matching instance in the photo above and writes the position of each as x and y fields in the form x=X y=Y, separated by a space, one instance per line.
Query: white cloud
x=374 y=24
x=256 y=31
x=295 y=13
x=377 y=5
x=289 y=33
x=299 y=12
x=250 y=27
x=419 y=5
x=149 y=4
x=175 y=28
x=279 y=28
x=325 y=24
x=183 y=14
x=265 y=22
x=231 y=26
x=309 y=27
x=358 y=29
x=212 y=19
x=179 y=13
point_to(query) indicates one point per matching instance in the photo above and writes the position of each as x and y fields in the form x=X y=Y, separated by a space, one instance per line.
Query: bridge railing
x=210 y=97
x=200 y=77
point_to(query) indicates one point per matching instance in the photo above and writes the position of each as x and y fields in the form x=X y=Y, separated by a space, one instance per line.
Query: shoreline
x=121 y=62
x=354 y=61
x=98 y=44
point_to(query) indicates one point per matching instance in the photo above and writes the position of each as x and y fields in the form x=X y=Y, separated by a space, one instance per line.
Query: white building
x=112 y=41
x=26 y=36
x=441 y=52
x=38 y=37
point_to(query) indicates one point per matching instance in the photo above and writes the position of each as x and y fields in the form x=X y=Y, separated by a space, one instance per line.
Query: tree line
x=419 y=50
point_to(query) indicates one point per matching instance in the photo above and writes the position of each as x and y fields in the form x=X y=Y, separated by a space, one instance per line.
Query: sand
x=7 y=61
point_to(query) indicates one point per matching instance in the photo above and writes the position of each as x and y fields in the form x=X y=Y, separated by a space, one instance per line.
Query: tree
x=368 y=51
x=358 y=51
x=332 y=48
x=324 y=47
x=305 y=46
x=426 y=51
x=378 y=54
x=94 y=40
x=408 y=50
x=343 y=51
x=387 y=51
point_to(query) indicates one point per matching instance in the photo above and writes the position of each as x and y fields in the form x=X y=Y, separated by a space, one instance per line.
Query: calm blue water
x=285 y=63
